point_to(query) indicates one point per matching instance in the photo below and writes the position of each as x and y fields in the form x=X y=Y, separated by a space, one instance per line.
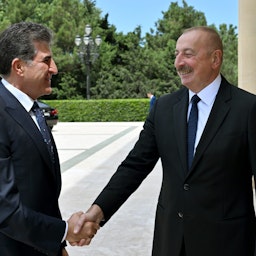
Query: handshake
x=82 y=227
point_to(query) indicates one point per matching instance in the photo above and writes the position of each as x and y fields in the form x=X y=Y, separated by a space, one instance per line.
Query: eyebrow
x=185 y=50
x=48 y=57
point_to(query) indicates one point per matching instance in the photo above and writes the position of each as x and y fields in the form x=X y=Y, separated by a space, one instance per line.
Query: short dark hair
x=17 y=41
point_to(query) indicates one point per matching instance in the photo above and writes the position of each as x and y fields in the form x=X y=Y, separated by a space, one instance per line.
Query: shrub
x=117 y=110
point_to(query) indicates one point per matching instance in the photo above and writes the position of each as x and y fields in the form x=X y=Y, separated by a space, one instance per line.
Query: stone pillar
x=247 y=45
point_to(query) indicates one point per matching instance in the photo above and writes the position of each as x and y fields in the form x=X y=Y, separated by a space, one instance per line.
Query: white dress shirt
x=207 y=96
x=22 y=97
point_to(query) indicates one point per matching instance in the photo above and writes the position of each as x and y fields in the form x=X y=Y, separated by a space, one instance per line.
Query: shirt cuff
x=65 y=234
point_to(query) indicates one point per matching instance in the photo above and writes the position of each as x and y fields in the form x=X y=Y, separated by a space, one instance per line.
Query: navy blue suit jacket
x=30 y=184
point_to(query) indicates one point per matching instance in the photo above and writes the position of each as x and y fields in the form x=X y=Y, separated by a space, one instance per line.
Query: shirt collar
x=23 y=98
x=208 y=94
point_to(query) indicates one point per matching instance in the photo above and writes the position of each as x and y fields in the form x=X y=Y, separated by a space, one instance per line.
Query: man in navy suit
x=205 y=209
x=152 y=99
x=30 y=180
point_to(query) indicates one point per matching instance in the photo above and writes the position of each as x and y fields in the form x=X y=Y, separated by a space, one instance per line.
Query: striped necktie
x=43 y=128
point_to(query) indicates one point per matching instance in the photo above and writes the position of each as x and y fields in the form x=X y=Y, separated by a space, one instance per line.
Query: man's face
x=194 y=62
x=38 y=73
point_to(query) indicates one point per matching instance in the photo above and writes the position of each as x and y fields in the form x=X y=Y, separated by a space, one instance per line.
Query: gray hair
x=17 y=41
x=213 y=36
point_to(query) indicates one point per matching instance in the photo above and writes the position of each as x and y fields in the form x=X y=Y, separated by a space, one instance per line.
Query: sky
x=126 y=15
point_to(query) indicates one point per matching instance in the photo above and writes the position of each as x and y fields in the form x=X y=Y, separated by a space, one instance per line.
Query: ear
x=216 y=58
x=18 y=66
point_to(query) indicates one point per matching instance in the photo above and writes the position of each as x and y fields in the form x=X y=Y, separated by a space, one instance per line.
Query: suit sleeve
x=9 y=197
x=131 y=172
x=15 y=216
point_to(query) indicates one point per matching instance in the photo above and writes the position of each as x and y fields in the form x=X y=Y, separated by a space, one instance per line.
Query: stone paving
x=89 y=155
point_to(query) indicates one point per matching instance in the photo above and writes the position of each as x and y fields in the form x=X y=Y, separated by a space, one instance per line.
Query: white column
x=247 y=45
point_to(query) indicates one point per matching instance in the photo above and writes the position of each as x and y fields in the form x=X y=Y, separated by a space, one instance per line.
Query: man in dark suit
x=152 y=99
x=30 y=180
x=205 y=209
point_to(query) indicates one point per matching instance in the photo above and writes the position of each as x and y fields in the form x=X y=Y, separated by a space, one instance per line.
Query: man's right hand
x=86 y=232
x=93 y=215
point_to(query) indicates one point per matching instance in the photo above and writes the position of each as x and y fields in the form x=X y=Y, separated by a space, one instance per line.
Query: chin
x=48 y=91
x=186 y=81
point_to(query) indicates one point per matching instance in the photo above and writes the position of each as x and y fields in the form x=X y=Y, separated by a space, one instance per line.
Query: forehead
x=191 y=40
x=42 y=48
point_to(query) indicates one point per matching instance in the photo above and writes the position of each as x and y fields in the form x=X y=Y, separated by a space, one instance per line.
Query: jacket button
x=180 y=214
x=186 y=187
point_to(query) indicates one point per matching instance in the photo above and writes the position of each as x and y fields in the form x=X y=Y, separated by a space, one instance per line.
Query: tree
x=230 y=45
x=129 y=64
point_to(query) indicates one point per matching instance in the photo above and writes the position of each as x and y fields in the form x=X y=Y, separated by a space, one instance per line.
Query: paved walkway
x=89 y=155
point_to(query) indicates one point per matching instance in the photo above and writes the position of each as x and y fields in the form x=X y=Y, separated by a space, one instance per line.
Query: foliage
x=129 y=64
x=118 y=110
x=230 y=61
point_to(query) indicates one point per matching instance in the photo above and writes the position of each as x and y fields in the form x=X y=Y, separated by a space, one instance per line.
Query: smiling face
x=198 y=59
x=36 y=74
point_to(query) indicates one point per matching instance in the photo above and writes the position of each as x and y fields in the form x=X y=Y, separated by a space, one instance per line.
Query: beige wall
x=247 y=45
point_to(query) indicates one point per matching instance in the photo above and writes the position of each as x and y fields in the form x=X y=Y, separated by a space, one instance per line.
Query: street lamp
x=88 y=51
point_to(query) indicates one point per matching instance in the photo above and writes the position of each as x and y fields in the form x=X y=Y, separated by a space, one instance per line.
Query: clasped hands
x=82 y=227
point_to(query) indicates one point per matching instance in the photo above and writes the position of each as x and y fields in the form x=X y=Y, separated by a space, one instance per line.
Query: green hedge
x=101 y=110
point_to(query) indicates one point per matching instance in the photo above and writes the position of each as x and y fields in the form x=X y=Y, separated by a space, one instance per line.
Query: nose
x=178 y=60
x=53 y=68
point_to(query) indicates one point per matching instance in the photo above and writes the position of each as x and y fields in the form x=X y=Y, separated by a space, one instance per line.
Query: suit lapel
x=21 y=116
x=217 y=115
x=180 y=117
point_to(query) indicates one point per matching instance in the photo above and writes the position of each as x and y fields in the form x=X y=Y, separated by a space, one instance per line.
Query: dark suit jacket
x=210 y=208
x=30 y=219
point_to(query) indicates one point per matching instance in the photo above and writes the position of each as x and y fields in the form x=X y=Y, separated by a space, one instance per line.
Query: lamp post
x=88 y=53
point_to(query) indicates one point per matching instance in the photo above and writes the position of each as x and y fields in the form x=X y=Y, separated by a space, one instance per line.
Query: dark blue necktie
x=43 y=128
x=192 y=128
